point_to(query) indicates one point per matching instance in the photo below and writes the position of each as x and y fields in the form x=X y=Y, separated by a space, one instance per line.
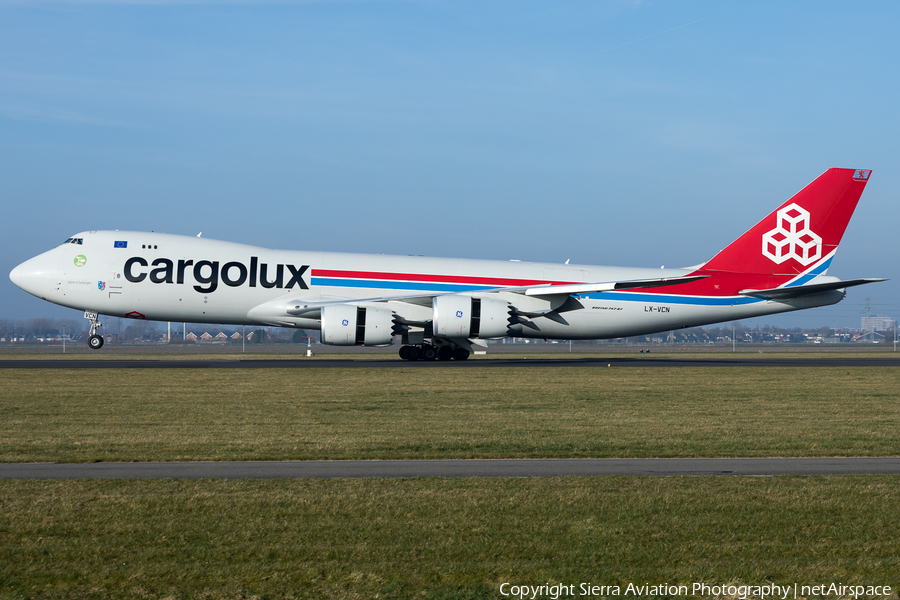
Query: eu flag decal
x=120 y=244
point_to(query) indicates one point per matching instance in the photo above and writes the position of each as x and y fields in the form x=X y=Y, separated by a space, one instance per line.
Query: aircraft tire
x=404 y=352
x=445 y=353
x=95 y=342
x=460 y=354
x=413 y=353
x=429 y=352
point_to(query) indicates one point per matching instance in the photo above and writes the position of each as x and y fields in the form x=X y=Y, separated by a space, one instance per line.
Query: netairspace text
x=556 y=591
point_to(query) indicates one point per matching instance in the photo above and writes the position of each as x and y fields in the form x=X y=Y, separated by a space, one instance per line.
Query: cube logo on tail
x=792 y=238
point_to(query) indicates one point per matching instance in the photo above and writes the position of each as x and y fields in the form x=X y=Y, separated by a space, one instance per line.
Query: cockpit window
x=79 y=241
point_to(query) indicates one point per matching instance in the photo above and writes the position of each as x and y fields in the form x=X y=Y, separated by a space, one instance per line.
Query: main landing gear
x=430 y=352
x=95 y=342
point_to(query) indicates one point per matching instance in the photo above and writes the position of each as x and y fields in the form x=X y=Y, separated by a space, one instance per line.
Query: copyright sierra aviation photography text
x=741 y=591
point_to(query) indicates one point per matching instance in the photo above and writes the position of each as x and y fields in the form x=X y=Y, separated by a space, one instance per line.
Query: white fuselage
x=167 y=277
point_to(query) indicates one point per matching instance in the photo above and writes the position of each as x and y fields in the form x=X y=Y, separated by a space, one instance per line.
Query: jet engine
x=352 y=325
x=457 y=316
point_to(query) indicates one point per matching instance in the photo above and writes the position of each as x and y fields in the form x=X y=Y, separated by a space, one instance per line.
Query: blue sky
x=622 y=133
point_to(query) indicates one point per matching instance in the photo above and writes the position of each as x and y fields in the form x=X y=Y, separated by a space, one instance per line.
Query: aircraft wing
x=313 y=310
x=607 y=286
x=786 y=293
x=547 y=289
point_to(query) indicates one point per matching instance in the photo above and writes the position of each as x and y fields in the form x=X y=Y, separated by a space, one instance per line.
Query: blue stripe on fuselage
x=666 y=299
x=615 y=296
x=399 y=285
x=813 y=273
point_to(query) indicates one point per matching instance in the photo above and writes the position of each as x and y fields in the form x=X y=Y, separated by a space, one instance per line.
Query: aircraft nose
x=16 y=276
x=34 y=275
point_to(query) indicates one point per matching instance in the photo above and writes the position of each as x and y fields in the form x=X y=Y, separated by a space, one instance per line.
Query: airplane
x=441 y=308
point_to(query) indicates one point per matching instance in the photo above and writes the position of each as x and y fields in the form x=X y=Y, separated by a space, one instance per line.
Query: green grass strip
x=433 y=538
x=278 y=414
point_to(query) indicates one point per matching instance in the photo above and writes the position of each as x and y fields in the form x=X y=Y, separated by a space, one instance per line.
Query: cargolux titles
x=207 y=273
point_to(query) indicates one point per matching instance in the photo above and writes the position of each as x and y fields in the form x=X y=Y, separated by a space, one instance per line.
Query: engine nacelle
x=352 y=325
x=457 y=316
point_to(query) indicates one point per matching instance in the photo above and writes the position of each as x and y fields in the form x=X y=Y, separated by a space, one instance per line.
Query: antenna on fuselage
x=199 y=234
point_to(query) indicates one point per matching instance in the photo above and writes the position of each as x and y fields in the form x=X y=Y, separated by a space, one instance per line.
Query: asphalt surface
x=456 y=468
x=478 y=363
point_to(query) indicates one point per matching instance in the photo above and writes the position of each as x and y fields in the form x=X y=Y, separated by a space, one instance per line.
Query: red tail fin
x=801 y=232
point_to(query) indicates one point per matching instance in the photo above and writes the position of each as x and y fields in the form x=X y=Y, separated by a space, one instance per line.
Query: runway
x=751 y=360
x=564 y=467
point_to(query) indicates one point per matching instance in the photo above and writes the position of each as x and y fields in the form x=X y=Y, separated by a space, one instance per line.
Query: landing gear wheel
x=460 y=354
x=445 y=353
x=429 y=352
x=413 y=353
x=95 y=342
x=404 y=352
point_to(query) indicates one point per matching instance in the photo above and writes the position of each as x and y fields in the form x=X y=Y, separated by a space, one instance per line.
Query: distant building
x=877 y=324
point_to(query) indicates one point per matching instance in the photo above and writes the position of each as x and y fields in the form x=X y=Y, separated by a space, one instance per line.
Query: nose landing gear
x=95 y=342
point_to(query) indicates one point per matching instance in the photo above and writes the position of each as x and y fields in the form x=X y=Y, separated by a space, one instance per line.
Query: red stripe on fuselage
x=492 y=281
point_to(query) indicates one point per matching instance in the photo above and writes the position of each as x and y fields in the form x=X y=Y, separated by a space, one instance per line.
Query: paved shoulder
x=455 y=468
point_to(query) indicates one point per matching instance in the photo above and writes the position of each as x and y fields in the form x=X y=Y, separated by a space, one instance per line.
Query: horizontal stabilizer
x=608 y=286
x=785 y=293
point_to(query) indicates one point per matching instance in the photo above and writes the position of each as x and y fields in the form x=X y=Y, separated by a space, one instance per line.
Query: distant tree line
x=137 y=332
x=755 y=335
x=42 y=328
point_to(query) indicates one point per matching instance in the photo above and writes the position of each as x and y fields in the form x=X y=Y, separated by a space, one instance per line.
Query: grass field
x=434 y=538
x=276 y=414
x=440 y=539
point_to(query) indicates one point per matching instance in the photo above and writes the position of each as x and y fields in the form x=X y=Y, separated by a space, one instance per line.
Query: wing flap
x=608 y=286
